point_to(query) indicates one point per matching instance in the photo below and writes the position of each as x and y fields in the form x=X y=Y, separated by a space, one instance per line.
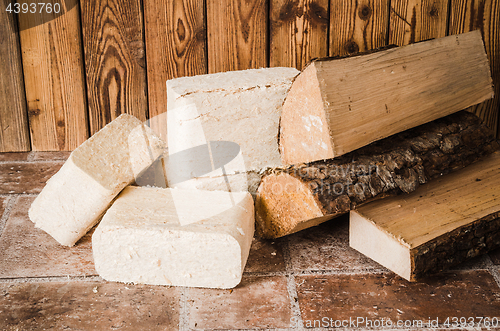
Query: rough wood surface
x=474 y=239
x=338 y=105
x=14 y=135
x=237 y=34
x=175 y=33
x=358 y=26
x=305 y=195
x=441 y=224
x=483 y=15
x=416 y=20
x=299 y=31
x=114 y=60
x=54 y=79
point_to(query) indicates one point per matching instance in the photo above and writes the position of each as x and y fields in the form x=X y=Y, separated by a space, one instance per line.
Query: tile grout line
x=292 y=287
x=90 y=278
x=6 y=213
x=492 y=268
x=184 y=309
x=367 y=271
x=31 y=156
x=14 y=195
x=496 y=275
x=34 y=161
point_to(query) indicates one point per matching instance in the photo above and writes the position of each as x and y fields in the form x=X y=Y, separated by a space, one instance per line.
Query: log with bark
x=441 y=224
x=296 y=197
x=338 y=105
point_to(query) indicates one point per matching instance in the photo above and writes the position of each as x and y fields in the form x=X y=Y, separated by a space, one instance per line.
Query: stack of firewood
x=381 y=135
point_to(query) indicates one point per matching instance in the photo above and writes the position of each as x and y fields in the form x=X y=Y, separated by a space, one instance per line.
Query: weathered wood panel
x=482 y=15
x=237 y=34
x=175 y=34
x=54 y=78
x=114 y=60
x=14 y=136
x=358 y=25
x=416 y=20
x=298 y=32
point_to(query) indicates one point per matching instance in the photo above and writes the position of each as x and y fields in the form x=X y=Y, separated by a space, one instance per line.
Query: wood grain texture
x=427 y=223
x=338 y=105
x=237 y=34
x=299 y=32
x=54 y=80
x=304 y=195
x=175 y=33
x=14 y=135
x=416 y=20
x=358 y=25
x=483 y=15
x=114 y=60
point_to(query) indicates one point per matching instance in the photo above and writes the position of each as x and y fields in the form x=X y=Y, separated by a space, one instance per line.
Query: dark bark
x=452 y=248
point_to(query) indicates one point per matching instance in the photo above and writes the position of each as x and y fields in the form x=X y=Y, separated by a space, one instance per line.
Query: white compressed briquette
x=235 y=115
x=165 y=236
x=74 y=199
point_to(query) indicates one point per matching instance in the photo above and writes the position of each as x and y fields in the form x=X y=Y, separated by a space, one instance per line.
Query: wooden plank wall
x=176 y=46
x=54 y=78
x=483 y=15
x=115 y=60
x=65 y=76
x=14 y=134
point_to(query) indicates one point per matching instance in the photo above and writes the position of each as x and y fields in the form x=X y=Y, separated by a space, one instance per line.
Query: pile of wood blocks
x=383 y=136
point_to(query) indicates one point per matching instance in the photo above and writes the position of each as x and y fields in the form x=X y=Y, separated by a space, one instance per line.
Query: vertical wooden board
x=14 y=136
x=175 y=34
x=482 y=15
x=416 y=20
x=298 y=32
x=54 y=78
x=358 y=25
x=237 y=34
x=114 y=60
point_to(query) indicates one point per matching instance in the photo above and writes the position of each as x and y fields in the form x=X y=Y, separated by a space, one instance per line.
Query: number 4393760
x=40 y=7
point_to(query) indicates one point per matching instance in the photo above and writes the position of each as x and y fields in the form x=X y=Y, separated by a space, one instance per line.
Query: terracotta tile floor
x=309 y=280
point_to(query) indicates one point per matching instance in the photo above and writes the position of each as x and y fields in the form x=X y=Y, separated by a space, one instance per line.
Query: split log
x=443 y=223
x=336 y=106
x=297 y=197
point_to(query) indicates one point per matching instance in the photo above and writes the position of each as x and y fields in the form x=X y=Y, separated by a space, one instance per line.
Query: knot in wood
x=364 y=13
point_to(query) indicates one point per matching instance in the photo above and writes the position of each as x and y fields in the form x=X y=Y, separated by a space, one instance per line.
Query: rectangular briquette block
x=175 y=237
x=223 y=125
x=75 y=198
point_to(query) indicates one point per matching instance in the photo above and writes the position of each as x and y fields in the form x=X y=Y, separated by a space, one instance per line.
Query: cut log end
x=304 y=134
x=284 y=196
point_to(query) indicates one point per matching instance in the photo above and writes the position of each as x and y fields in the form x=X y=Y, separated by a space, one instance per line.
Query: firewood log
x=336 y=106
x=296 y=197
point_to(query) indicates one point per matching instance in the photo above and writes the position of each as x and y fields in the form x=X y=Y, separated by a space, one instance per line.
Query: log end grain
x=304 y=131
x=282 y=203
